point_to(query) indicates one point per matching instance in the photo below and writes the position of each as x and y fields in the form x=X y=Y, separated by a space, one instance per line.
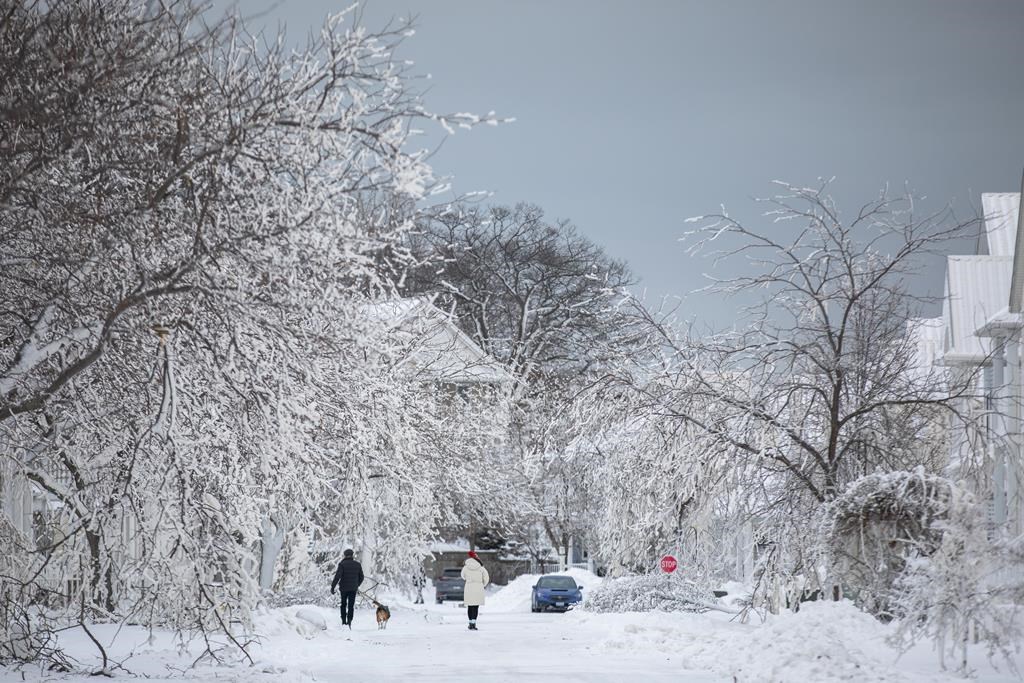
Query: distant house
x=441 y=353
x=426 y=343
x=437 y=350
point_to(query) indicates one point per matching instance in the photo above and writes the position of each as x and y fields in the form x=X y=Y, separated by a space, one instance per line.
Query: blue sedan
x=555 y=592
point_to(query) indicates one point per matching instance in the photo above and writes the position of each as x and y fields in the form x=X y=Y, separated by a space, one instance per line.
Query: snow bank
x=647 y=592
x=737 y=595
x=516 y=596
x=826 y=642
x=304 y=620
x=313 y=617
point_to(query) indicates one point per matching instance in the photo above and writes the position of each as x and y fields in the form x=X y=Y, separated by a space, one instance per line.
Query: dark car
x=555 y=592
x=449 y=586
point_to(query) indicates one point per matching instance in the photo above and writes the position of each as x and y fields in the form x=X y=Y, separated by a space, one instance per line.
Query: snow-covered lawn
x=825 y=642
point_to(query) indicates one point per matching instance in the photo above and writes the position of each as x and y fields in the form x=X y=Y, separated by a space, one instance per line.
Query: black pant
x=473 y=611
x=348 y=606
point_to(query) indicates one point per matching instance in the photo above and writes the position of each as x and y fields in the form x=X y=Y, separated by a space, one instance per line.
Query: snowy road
x=824 y=643
x=508 y=647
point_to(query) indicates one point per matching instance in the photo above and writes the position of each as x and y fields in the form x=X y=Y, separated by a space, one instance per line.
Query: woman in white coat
x=476 y=577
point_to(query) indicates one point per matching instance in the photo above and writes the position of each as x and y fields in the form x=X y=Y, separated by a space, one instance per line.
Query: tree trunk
x=271 y=541
x=101 y=580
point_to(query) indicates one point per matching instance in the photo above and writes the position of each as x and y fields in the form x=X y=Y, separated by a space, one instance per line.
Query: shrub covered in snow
x=309 y=588
x=647 y=592
x=968 y=589
x=880 y=522
x=915 y=547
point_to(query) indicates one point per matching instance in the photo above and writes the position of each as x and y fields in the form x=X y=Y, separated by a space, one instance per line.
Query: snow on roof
x=977 y=288
x=438 y=348
x=1001 y=323
x=393 y=311
x=1000 y=213
x=459 y=545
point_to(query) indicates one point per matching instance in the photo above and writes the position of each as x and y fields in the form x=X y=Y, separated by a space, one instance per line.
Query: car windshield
x=557 y=582
x=453 y=573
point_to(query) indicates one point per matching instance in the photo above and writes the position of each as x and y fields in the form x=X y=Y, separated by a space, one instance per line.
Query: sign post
x=668 y=564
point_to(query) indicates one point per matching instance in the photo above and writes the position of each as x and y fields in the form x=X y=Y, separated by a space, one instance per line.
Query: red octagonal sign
x=668 y=564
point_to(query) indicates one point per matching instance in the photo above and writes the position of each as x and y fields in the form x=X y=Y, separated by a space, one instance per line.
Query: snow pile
x=647 y=592
x=313 y=617
x=826 y=642
x=517 y=595
x=831 y=641
x=304 y=620
x=737 y=595
x=699 y=641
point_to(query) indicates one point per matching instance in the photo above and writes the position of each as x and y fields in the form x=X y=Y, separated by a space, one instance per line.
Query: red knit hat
x=472 y=553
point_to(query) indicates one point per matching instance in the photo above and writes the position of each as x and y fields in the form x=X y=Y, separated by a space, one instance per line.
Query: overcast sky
x=632 y=116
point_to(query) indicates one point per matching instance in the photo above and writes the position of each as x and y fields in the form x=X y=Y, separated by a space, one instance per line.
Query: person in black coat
x=347 y=580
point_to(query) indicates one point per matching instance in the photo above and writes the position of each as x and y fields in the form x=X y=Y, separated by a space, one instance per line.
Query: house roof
x=1000 y=212
x=435 y=346
x=1001 y=324
x=977 y=289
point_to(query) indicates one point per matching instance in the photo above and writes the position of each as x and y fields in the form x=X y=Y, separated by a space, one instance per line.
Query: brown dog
x=383 y=614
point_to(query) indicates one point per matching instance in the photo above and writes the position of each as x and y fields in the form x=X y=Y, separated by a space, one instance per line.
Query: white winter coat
x=476 y=577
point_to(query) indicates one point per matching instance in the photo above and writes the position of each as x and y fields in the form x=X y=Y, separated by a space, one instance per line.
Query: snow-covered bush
x=879 y=523
x=914 y=547
x=650 y=592
x=969 y=589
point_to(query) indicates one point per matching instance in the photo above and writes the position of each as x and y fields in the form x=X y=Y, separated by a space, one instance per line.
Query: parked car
x=555 y=592
x=449 y=586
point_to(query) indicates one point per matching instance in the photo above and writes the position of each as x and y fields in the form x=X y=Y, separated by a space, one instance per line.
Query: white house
x=429 y=346
x=981 y=337
x=438 y=351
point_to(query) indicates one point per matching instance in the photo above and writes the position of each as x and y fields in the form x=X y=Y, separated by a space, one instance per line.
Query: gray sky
x=632 y=116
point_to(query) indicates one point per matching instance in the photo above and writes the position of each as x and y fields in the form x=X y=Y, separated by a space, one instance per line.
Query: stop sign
x=668 y=564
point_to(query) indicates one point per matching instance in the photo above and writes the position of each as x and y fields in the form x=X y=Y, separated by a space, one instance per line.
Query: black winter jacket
x=348 y=577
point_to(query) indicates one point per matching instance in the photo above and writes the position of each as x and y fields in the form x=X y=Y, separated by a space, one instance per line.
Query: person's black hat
x=348 y=553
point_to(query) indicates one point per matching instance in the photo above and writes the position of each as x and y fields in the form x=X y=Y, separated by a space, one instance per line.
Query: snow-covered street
x=508 y=647
x=823 y=643
x=422 y=646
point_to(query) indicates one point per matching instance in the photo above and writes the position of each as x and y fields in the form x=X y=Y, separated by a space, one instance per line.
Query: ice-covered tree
x=543 y=300
x=652 y=481
x=818 y=383
x=828 y=368
x=185 y=252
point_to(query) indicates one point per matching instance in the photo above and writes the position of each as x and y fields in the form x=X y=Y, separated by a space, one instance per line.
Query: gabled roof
x=977 y=288
x=436 y=347
x=1000 y=214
